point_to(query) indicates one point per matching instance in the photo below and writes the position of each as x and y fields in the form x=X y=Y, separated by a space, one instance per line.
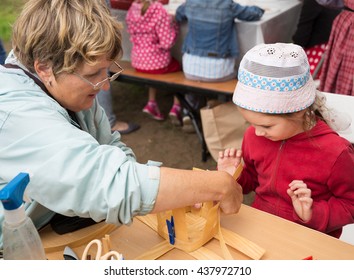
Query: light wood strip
x=205 y=254
x=238 y=171
x=156 y=251
x=179 y=217
x=55 y=242
x=150 y=220
x=106 y=244
x=175 y=79
x=224 y=249
x=241 y=244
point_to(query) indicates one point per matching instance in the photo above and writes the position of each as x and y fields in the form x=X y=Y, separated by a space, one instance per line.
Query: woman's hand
x=229 y=160
x=180 y=188
x=301 y=198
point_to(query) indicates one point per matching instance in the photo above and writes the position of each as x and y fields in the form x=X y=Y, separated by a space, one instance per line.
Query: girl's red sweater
x=320 y=158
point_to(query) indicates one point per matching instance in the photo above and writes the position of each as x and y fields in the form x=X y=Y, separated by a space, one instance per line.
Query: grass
x=9 y=10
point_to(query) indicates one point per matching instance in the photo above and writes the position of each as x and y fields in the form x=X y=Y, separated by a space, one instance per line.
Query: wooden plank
x=241 y=244
x=53 y=242
x=224 y=249
x=156 y=251
x=205 y=254
x=179 y=216
x=150 y=220
x=174 y=81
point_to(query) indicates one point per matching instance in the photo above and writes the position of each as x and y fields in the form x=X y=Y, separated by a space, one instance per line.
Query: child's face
x=274 y=127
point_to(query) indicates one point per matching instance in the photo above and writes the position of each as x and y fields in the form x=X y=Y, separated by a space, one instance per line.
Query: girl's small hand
x=301 y=199
x=229 y=160
x=198 y=205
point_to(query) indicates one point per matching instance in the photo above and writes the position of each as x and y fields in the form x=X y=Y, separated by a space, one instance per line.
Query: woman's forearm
x=190 y=187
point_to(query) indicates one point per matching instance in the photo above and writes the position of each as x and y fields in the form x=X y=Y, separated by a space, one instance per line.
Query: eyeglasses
x=101 y=83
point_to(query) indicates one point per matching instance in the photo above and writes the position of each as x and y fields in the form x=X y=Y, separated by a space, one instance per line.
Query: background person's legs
x=105 y=100
x=151 y=108
x=2 y=53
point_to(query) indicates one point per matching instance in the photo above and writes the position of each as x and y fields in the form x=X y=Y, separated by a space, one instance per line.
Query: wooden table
x=174 y=82
x=280 y=238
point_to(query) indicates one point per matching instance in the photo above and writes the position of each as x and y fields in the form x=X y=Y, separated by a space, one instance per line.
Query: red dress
x=152 y=35
x=337 y=74
x=314 y=56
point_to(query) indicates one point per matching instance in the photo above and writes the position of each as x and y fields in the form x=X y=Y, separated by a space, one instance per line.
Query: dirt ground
x=156 y=140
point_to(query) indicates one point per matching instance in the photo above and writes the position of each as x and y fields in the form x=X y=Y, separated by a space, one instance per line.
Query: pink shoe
x=175 y=114
x=152 y=109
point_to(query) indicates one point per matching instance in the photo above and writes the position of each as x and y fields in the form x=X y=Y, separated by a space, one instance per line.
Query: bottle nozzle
x=11 y=195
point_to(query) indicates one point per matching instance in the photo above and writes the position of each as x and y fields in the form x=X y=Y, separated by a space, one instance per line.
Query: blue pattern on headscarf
x=273 y=84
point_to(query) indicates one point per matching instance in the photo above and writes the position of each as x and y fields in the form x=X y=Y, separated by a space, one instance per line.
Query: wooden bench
x=177 y=83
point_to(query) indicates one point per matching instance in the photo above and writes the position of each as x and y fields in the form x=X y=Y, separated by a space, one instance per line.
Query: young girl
x=299 y=168
x=153 y=33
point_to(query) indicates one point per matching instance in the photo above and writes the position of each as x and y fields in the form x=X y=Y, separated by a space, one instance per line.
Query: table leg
x=195 y=118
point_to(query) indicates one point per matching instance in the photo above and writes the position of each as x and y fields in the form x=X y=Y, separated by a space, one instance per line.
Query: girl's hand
x=229 y=160
x=301 y=199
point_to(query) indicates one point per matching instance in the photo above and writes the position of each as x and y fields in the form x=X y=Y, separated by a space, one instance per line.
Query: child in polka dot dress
x=153 y=32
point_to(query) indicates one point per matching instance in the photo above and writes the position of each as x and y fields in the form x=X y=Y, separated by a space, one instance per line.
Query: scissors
x=111 y=255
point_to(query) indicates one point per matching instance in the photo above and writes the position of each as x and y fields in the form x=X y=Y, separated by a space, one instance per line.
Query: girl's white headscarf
x=276 y=79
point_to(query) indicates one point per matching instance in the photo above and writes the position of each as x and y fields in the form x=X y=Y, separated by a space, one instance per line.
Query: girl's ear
x=44 y=71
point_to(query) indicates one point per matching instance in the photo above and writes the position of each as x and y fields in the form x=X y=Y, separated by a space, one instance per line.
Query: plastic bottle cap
x=11 y=195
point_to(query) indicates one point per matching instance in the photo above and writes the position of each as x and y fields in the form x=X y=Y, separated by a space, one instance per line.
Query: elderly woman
x=52 y=126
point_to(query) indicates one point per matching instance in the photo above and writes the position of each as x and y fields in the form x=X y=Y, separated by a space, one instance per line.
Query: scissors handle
x=112 y=255
x=88 y=247
x=108 y=256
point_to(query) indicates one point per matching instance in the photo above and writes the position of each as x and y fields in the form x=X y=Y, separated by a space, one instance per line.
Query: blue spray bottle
x=20 y=237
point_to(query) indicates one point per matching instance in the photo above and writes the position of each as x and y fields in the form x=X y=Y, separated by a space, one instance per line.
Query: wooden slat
x=156 y=251
x=241 y=244
x=205 y=254
x=179 y=216
x=224 y=249
x=150 y=220
x=174 y=81
x=53 y=242
x=106 y=244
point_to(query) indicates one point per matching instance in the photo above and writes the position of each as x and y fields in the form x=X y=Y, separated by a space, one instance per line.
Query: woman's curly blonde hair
x=65 y=33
